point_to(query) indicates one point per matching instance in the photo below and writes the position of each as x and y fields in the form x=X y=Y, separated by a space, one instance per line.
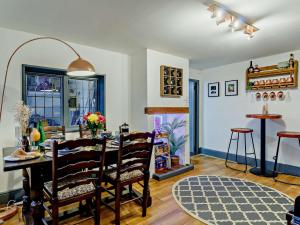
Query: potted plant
x=176 y=142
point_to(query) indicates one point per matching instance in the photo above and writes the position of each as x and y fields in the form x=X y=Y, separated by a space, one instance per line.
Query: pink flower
x=101 y=119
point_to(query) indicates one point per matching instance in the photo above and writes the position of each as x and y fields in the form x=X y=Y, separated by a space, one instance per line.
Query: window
x=59 y=99
x=83 y=98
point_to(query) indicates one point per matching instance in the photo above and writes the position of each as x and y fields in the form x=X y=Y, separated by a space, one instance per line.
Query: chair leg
x=254 y=150
x=97 y=212
x=237 y=147
x=117 y=203
x=228 y=149
x=145 y=194
x=55 y=215
x=105 y=169
x=246 y=163
x=276 y=158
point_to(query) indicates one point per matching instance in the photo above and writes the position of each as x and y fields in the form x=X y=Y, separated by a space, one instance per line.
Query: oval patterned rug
x=226 y=200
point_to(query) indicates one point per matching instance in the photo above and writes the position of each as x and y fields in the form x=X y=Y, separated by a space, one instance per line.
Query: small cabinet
x=171 y=81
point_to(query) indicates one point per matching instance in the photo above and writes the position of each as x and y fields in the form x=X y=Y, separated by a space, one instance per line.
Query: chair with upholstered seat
x=239 y=131
x=76 y=176
x=289 y=135
x=55 y=132
x=133 y=164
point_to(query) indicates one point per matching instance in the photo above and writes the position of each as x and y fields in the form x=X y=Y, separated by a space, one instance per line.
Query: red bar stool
x=239 y=131
x=284 y=134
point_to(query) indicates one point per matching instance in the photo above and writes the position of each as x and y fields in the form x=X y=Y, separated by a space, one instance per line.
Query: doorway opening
x=194 y=116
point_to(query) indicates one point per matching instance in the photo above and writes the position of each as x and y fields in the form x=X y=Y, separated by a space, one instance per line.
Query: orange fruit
x=35 y=135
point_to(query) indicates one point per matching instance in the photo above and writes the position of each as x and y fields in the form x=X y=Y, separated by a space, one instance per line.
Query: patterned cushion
x=126 y=176
x=71 y=192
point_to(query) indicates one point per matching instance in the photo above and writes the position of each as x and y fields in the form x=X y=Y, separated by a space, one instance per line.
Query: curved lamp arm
x=16 y=50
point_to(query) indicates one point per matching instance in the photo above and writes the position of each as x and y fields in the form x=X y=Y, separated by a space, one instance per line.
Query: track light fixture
x=236 y=22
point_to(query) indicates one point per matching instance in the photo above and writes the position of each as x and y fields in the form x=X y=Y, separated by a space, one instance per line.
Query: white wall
x=154 y=60
x=48 y=53
x=138 y=91
x=222 y=113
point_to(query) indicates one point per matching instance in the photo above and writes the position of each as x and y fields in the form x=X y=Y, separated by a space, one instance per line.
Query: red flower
x=89 y=113
x=101 y=119
x=85 y=117
x=97 y=113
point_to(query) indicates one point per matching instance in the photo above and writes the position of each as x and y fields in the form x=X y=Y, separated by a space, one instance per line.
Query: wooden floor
x=164 y=209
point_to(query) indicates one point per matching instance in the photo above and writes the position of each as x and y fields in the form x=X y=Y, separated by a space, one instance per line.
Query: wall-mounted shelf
x=170 y=82
x=271 y=75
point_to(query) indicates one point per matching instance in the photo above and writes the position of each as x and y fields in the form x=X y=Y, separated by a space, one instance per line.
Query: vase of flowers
x=94 y=122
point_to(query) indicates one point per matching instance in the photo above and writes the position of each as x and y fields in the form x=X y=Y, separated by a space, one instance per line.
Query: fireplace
x=171 y=151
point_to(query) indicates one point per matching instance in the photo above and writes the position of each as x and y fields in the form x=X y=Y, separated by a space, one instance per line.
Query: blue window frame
x=59 y=99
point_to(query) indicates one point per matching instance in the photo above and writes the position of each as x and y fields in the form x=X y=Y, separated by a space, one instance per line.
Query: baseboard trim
x=283 y=168
x=15 y=195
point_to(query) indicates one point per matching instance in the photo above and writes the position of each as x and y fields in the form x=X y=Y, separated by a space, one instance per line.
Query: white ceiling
x=181 y=27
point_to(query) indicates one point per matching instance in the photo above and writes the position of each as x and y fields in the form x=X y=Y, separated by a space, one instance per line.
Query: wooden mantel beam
x=166 y=110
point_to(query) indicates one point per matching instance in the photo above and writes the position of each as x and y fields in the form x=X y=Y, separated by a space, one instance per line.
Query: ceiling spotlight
x=236 y=24
x=218 y=22
x=232 y=20
x=220 y=13
x=213 y=15
x=250 y=36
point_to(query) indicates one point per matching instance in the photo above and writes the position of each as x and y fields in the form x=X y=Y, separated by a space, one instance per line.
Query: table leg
x=262 y=171
x=26 y=197
x=36 y=194
x=263 y=146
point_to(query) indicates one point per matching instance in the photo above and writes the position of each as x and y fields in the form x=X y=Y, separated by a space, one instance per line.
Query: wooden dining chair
x=133 y=164
x=54 y=131
x=75 y=176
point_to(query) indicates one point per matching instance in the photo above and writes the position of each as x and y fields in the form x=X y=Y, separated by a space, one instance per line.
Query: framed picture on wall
x=213 y=89
x=231 y=88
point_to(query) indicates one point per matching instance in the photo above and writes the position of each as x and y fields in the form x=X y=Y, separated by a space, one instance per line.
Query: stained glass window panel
x=43 y=91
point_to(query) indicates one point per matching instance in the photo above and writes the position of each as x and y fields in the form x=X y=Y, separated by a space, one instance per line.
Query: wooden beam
x=166 y=110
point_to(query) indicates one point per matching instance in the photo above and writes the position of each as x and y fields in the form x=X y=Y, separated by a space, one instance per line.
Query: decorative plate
x=11 y=158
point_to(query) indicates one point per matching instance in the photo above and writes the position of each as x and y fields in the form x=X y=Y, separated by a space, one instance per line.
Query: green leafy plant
x=175 y=143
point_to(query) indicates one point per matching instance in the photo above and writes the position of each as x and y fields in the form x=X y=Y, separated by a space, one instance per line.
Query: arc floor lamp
x=78 y=67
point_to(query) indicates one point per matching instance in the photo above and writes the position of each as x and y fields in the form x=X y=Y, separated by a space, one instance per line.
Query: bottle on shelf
x=166 y=80
x=256 y=69
x=251 y=68
x=172 y=80
x=166 y=72
x=291 y=60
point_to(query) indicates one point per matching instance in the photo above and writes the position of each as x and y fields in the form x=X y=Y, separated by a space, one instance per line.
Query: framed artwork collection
x=231 y=88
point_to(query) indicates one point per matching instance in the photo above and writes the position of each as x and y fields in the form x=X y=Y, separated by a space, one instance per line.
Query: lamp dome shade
x=81 y=67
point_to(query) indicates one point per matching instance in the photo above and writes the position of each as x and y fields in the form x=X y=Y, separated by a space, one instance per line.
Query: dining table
x=35 y=172
x=262 y=170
